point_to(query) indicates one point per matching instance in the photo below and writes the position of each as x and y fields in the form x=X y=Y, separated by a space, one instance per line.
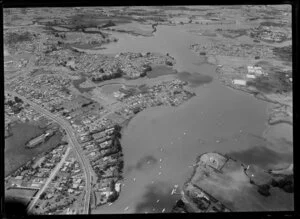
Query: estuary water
x=15 y=152
x=160 y=144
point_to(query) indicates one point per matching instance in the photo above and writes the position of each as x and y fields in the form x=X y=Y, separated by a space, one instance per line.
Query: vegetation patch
x=95 y=20
x=157 y=71
x=232 y=33
x=14 y=38
x=277 y=82
x=284 y=53
x=195 y=79
x=272 y=24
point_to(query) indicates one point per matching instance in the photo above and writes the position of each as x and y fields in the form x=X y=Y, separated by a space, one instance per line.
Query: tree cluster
x=14 y=38
x=105 y=77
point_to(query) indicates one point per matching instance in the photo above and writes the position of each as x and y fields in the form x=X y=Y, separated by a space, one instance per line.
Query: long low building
x=239 y=82
x=41 y=138
x=251 y=76
x=36 y=141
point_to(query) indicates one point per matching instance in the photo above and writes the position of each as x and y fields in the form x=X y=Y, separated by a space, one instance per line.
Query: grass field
x=233 y=188
x=22 y=195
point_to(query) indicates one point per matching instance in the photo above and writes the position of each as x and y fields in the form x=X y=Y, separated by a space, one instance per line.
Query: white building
x=36 y=185
x=239 y=82
x=19 y=177
x=250 y=69
x=118 y=187
x=255 y=70
x=251 y=76
x=92 y=154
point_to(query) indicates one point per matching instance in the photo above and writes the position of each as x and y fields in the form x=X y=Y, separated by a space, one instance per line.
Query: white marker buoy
x=160 y=160
x=159 y=167
x=134 y=179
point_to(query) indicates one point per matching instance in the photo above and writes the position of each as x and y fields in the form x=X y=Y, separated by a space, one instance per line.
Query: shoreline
x=258 y=95
x=124 y=125
x=277 y=175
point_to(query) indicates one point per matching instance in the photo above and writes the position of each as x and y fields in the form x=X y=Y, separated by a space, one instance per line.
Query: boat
x=163 y=210
x=157 y=200
x=134 y=179
x=126 y=208
x=159 y=173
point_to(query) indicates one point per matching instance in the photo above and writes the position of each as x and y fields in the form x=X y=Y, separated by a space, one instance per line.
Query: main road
x=79 y=152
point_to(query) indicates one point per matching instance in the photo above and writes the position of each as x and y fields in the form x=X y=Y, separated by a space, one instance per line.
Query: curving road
x=74 y=143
